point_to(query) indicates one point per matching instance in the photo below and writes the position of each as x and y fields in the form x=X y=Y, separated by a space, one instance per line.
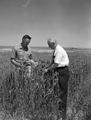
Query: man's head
x=26 y=40
x=52 y=43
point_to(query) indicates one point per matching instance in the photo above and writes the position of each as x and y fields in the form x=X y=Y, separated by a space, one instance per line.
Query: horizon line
x=47 y=47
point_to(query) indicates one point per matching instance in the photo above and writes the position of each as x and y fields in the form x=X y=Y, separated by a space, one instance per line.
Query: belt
x=62 y=67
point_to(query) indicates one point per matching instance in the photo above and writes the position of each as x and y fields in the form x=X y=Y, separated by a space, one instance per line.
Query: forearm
x=15 y=62
x=32 y=61
x=49 y=66
x=52 y=62
x=52 y=66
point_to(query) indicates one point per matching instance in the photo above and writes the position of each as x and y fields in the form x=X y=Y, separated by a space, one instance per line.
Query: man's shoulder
x=29 y=47
x=59 y=48
x=18 y=46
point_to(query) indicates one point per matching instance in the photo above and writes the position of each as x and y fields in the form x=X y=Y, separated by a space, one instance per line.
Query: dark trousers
x=63 y=77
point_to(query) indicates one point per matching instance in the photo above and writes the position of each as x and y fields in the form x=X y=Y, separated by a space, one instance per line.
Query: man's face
x=51 y=45
x=26 y=41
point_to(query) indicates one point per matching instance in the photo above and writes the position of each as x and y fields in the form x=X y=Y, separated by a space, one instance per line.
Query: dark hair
x=26 y=36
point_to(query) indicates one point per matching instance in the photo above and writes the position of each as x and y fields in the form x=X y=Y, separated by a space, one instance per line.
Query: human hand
x=22 y=66
x=36 y=64
x=46 y=70
x=28 y=62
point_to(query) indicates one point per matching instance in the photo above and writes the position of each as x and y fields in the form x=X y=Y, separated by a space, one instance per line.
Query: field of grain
x=37 y=98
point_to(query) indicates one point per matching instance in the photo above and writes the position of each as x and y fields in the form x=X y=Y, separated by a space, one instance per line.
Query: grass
x=37 y=98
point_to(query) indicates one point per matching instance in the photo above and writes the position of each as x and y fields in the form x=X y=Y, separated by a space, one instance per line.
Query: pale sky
x=68 y=21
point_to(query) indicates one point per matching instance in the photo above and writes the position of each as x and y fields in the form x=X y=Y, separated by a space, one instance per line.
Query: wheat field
x=36 y=98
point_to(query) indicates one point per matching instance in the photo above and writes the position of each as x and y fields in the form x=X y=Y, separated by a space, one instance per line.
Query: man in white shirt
x=60 y=63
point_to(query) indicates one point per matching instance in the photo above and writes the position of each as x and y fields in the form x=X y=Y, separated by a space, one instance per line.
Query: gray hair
x=52 y=41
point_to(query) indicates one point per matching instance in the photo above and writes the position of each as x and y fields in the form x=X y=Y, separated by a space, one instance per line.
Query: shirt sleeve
x=58 y=57
x=14 y=51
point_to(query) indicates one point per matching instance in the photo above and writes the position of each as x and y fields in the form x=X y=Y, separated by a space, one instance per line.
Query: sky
x=67 y=21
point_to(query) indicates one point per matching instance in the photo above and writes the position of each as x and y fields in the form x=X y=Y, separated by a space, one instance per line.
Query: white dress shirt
x=61 y=57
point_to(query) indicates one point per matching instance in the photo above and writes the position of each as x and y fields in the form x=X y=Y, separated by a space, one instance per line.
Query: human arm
x=15 y=60
x=30 y=60
x=56 y=60
x=52 y=65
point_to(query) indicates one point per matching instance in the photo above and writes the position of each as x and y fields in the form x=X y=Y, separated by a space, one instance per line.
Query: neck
x=55 y=46
x=24 y=47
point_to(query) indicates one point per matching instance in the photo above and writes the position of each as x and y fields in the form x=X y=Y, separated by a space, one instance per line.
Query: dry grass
x=37 y=98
